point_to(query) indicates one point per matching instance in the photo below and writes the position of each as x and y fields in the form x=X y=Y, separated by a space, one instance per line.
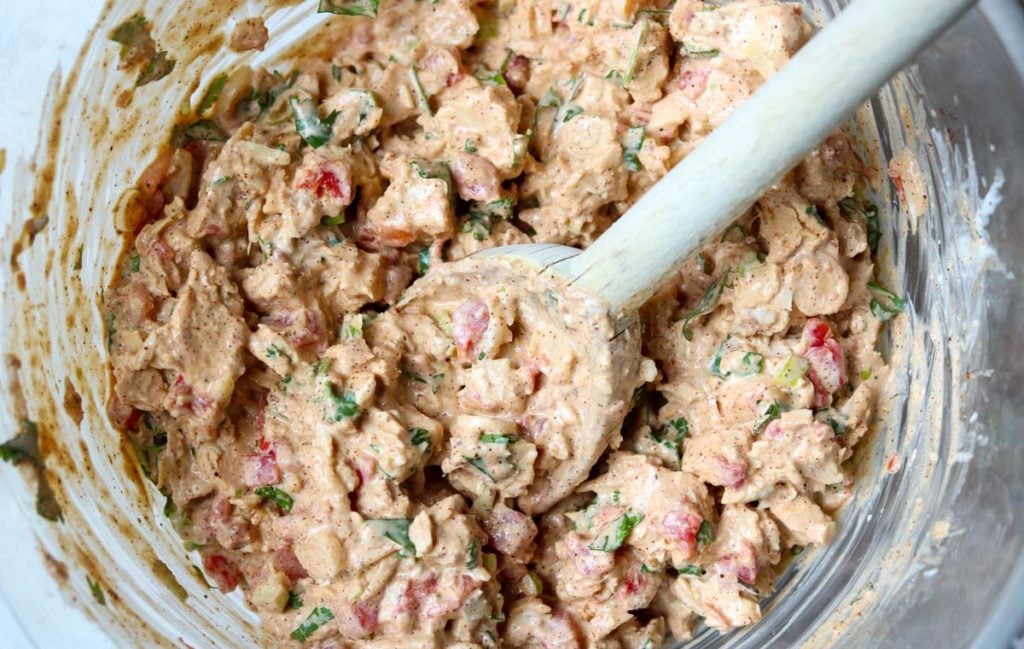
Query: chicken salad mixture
x=383 y=449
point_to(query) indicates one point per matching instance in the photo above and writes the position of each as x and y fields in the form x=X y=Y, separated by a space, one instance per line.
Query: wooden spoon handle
x=785 y=119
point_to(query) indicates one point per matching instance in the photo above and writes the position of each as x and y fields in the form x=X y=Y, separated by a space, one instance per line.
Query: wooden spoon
x=764 y=138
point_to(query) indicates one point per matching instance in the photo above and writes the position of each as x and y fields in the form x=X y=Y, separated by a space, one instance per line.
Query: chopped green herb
x=321 y=366
x=797 y=550
x=885 y=304
x=273 y=352
x=792 y=371
x=470 y=146
x=498 y=438
x=571 y=112
x=435 y=170
x=631 y=146
x=673 y=436
x=690 y=569
x=706 y=533
x=277 y=496
x=421 y=95
x=771 y=413
x=204 y=129
x=294 y=601
x=328 y=221
x=315 y=131
x=265 y=99
x=423 y=261
x=211 y=95
x=698 y=53
x=812 y=210
x=133 y=36
x=616 y=532
x=849 y=206
x=320 y=616
x=179 y=519
x=495 y=78
x=835 y=419
x=134 y=263
x=706 y=305
x=111 y=330
x=472 y=555
x=481 y=356
x=340 y=407
x=479 y=465
x=715 y=366
x=336 y=72
x=97 y=591
x=634 y=57
x=217 y=182
x=366 y=8
x=420 y=438
x=752 y=363
x=396 y=530
x=158 y=67
x=482 y=218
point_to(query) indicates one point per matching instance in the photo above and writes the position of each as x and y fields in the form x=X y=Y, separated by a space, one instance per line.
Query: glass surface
x=927 y=556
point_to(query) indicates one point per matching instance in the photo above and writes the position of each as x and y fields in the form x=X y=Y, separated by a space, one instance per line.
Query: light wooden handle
x=785 y=119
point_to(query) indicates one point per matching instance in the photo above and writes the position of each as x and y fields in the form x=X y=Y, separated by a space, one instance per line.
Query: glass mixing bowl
x=929 y=553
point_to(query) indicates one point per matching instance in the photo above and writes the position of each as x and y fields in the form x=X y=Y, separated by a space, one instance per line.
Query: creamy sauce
x=467 y=462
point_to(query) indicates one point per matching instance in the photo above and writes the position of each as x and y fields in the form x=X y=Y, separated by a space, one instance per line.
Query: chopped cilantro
x=472 y=555
x=294 y=601
x=321 y=366
x=634 y=57
x=696 y=53
x=315 y=131
x=631 y=146
x=320 y=616
x=752 y=363
x=366 y=8
x=706 y=304
x=133 y=36
x=706 y=533
x=423 y=261
x=211 y=95
x=158 y=67
x=420 y=438
x=715 y=367
x=340 y=407
x=885 y=304
x=498 y=438
x=849 y=206
x=771 y=413
x=395 y=530
x=690 y=569
x=616 y=532
x=571 y=112
x=479 y=465
x=277 y=496
x=421 y=95
x=97 y=591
